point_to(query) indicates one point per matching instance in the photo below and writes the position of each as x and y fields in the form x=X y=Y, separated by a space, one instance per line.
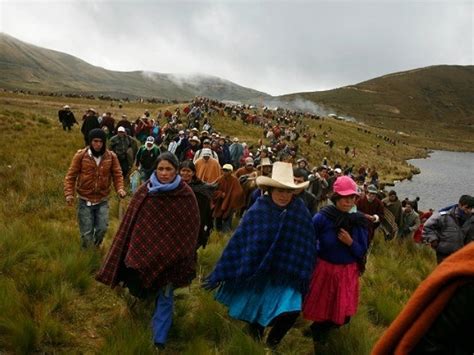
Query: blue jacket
x=331 y=249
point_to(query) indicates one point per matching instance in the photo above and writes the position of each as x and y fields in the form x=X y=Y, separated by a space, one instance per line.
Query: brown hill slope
x=422 y=99
x=25 y=66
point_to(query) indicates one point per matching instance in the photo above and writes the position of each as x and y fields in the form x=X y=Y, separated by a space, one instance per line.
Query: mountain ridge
x=441 y=93
x=30 y=67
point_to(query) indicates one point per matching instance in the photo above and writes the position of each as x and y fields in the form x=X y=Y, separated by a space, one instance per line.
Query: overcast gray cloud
x=277 y=47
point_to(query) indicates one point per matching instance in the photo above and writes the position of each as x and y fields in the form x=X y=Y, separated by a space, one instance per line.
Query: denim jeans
x=163 y=315
x=93 y=222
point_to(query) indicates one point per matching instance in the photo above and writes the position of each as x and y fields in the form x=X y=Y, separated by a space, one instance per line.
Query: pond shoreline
x=443 y=178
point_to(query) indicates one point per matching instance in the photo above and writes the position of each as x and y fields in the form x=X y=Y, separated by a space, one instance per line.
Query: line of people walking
x=289 y=255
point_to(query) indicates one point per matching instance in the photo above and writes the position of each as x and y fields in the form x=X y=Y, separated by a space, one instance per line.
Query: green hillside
x=434 y=102
x=28 y=67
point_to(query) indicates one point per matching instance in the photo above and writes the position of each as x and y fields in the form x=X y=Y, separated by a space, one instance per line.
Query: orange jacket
x=92 y=182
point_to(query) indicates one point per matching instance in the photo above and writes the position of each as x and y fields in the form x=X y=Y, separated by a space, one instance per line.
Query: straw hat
x=265 y=162
x=282 y=177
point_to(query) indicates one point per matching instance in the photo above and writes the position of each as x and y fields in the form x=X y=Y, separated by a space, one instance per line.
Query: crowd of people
x=302 y=241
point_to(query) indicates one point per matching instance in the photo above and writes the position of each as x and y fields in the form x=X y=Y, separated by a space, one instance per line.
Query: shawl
x=156 y=240
x=200 y=187
x=208 y=171
x=229 y=187
x=343 y=219
x=389 y=224
x=395 y=207
x=270 y=242
x=203 y=194
x=427 y=303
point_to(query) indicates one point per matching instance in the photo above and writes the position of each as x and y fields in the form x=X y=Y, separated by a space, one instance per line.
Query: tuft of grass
x=241 y=344
x=200 y=315
x=128 y=336
x=209 y=255
x=53 y=332
x=18 y=330
x=358 y=337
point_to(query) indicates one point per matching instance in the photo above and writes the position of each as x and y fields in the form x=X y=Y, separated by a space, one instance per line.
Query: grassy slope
x=25 y=66
x=49 y=301
x=435 y=103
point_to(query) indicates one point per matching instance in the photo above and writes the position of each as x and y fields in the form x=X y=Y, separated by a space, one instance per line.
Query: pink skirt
x=333 y=294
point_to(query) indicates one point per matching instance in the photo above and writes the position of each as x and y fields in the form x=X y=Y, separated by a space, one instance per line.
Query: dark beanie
x=97 y=133
x=170 y=157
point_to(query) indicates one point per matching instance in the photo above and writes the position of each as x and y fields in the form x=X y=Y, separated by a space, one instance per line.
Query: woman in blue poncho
x=265 y=269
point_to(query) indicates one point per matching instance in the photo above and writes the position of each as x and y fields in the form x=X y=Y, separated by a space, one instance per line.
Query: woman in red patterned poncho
x=153 y=251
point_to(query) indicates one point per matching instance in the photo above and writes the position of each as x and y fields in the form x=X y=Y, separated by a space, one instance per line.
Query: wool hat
x=121 y=129
x=282 y=177
x=372 y=189
x=265 y=162
x=97 y=133
x=345 y=186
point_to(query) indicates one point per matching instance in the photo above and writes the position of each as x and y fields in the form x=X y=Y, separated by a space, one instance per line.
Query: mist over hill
x=29 y=67
x=441 y=94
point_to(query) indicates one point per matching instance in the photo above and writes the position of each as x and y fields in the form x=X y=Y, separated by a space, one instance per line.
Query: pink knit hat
x=345 y=186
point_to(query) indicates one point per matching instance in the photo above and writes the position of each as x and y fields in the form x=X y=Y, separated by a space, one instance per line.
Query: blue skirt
x=260 y=301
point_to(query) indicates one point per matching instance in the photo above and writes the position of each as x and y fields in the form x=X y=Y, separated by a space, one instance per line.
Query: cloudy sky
x=273 y=46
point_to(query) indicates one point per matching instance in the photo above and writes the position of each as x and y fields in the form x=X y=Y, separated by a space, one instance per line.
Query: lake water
x=444 y=177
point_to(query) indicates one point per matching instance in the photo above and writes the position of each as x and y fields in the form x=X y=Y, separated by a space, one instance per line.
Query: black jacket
x=309 y=201
x=451 y=333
